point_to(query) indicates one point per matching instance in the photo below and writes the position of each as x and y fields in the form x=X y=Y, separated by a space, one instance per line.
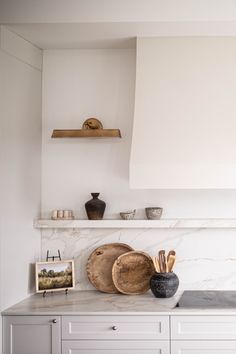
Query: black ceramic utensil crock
x=164 y=285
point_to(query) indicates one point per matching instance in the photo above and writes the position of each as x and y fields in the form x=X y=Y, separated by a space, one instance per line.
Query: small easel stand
x=53 y=259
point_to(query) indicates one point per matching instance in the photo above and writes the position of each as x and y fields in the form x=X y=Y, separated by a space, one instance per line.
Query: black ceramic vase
x=164 y=284
x=95 y=207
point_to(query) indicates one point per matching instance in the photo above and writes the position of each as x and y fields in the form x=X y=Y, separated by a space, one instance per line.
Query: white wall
x=20 y=166
x=78 y=84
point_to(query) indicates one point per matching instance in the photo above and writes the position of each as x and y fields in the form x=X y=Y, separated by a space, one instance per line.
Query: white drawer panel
x=115 y=347
x=203 y=327
x=203 y=347
x=115 y=327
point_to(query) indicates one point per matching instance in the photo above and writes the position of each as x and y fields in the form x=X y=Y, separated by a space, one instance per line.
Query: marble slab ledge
x=95 y=303
x=216 y=223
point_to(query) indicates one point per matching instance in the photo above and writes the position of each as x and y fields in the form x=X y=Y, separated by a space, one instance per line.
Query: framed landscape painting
x=54 y=276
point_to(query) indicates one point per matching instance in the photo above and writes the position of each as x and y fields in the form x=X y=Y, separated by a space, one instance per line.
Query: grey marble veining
x=206 y=258
x=90 y=302
x=94 y=302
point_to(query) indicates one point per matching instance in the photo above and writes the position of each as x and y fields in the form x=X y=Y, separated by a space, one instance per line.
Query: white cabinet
x=113 y=334
x=203 y=334
x=31 y=335
x=203 y=347
x=87 y=334
x=115 y=347
x=115 y=327
x=119 y=334
x=203 y=327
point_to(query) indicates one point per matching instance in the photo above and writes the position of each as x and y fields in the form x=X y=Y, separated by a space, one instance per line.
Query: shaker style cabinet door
x=116 y=327
x=31 y=335
x=203 y=347
x=115 y=347
x=203 y=328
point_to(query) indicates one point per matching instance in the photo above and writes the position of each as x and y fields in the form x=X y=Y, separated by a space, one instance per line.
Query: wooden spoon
x=171 y=262
x=156 y=264
x=171 y=253
x=165 y=263
x=162 y=261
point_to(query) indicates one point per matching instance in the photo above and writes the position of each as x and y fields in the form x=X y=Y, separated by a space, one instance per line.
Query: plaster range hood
x=184 y=131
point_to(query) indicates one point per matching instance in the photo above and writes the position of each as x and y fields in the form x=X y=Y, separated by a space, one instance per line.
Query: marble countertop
x=93 y=302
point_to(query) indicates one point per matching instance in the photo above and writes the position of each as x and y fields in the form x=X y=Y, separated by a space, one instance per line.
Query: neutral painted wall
x=79 y=84
x=56 y=11
x=20 y=166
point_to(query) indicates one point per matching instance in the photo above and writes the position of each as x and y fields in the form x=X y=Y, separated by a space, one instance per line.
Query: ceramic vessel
x=164 y=285
x=95 y=207
x=129 y=215
x=153 y=213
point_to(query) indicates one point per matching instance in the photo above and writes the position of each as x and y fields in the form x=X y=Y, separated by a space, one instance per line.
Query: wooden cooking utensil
x=162 y=261
x=165 y=263
x=171 y=262
x=156 y=264
x=171 y=253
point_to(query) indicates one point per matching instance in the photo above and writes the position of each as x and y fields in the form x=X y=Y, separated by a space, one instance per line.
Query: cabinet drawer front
x=115 y=327
x=203 y=327
x=115 y=347
x=203 y=347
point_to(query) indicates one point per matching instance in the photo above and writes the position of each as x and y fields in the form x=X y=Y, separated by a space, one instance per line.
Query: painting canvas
x=54 y=276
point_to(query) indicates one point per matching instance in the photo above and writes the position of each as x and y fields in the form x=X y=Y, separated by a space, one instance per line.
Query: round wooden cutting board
x=99 y=266
x=132 y=272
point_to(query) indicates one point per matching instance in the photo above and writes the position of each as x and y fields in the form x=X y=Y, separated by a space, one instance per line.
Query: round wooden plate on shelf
x=99 y=266
x=132 y=271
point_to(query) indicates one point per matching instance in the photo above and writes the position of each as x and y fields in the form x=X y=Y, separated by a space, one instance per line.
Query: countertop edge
x=172 y=312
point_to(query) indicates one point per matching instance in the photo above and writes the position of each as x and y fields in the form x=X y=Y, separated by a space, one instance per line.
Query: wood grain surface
x=99 y=266
x=83 y=133
x=132 y=271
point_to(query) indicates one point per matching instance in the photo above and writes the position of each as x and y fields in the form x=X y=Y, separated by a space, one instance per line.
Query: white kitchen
x=159 y=78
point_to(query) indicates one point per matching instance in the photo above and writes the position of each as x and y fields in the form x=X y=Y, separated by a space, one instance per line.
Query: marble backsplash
x=206 y=258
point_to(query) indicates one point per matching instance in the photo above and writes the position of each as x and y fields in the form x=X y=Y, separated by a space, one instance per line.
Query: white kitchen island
x=90 y=322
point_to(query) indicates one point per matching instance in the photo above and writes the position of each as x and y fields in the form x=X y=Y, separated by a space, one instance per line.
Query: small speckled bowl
x=129 y=215
x=153 y=213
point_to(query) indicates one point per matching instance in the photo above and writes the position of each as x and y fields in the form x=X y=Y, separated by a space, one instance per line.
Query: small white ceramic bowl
x=129 y=215
x=153 y=213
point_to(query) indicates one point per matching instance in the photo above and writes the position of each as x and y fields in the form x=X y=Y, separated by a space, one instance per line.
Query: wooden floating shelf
x=138 y=224
x=89 y=133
